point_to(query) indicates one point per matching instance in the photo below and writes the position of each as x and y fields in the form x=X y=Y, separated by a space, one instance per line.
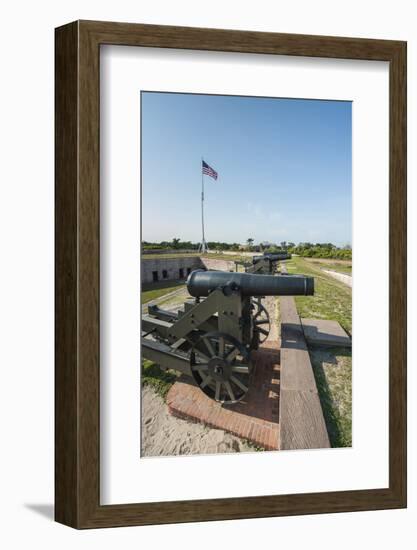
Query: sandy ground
x=165 y=435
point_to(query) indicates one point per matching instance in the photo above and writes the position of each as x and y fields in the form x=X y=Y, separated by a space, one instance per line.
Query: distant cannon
x=213 y=336
x=267 y=263
x=273 y=257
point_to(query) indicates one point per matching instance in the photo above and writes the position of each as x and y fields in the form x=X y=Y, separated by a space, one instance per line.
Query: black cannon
x=201 y=283
x=267 y=263
x=273 y=257
x=211 y=338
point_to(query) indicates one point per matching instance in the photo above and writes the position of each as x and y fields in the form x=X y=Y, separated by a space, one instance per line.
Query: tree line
x=315 y=250
x=304 y=249
x=177 y=244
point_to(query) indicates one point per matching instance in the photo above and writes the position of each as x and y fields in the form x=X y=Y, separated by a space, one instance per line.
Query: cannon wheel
x=261 y=321
x=220 y=365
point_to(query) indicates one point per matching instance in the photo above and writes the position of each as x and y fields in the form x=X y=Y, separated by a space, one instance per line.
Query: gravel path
x=343 y=277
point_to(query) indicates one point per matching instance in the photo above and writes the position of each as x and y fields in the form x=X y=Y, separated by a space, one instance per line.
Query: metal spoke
x=232 y=354
x=200 y=366
x=238 y=383
x=230 y=391
x=209 y=346
x=224 y=376
x=217 y=396
x=240 y=368
x=205 y=382
x=221 y=346
x=202 y=355
x=261 y=318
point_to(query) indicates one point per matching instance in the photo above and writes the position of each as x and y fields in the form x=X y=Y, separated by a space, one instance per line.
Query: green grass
x=333 y=374
x=345 y=267
x=253 y=446
x=219 y=256
x=332 y=367
x=332 y=299
x=159 y=289
x=158 y=379
x=230 y=257
x=162 y=256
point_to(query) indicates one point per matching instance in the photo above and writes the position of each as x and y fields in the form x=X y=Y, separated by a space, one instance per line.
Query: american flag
x=208 y=170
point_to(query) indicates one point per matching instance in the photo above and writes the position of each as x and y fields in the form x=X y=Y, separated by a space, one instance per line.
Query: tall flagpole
x=203 y=246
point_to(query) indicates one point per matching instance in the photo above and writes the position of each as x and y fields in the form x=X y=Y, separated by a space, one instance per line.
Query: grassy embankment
x=179 y=254
x=332 y=366
x=341 y=266
x=157 y=290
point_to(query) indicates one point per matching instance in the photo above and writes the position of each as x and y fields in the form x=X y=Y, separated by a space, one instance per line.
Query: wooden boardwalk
x=302 y=424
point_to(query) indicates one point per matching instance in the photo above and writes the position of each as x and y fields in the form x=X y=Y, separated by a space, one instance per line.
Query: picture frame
x=77 y=272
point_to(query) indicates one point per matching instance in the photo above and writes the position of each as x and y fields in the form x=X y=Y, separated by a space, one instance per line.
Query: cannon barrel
x=201 y=283
x=279 y=256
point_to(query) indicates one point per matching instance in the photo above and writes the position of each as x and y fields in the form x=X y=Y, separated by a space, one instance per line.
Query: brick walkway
x=256 y=418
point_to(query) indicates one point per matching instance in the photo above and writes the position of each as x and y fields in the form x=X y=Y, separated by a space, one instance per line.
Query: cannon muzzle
x=201 y=283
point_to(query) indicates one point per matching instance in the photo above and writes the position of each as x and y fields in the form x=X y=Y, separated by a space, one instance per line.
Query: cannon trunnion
x=213 y=336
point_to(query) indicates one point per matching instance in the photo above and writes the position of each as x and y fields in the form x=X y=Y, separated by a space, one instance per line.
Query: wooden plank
x=325 y=332
x=297 y=373
x=302 y=422
x=301 y=415
x=66 y=269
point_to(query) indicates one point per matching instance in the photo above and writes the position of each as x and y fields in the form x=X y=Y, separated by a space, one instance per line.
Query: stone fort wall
x=173 y=269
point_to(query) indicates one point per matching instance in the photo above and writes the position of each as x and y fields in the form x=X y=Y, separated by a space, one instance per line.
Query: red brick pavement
x=256 y=418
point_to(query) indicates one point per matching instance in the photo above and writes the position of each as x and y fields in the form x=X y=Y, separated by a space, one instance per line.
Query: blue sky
x=284 y=168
